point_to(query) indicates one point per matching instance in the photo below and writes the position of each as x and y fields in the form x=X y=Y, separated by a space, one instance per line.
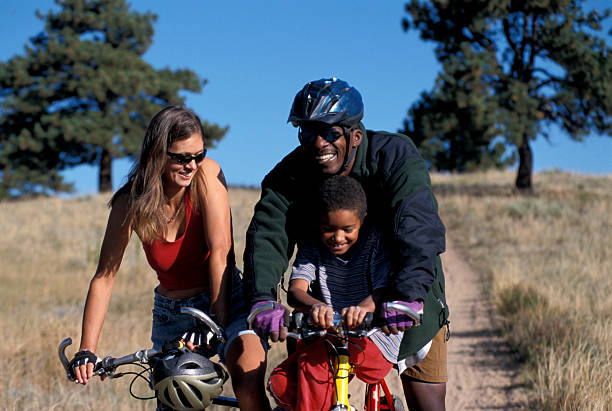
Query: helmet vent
x=182 y=397
x=197 y=393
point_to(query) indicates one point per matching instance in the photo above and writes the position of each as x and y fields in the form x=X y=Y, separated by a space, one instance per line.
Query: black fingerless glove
x=82 y=358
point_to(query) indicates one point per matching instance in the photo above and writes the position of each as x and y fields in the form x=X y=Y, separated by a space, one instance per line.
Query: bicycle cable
x=361 y=350
x=139 y=375
x=332 y=353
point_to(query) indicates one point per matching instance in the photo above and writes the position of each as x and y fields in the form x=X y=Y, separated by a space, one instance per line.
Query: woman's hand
x=82 y=366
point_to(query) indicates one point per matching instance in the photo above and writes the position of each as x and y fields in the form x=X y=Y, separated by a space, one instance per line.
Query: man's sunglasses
x=309 y=135
x=183 y=159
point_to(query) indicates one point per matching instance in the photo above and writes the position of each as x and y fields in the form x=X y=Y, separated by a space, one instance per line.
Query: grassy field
x=544 y=258
x=546 y=263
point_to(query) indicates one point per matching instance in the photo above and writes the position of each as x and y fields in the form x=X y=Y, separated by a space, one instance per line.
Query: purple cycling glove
x=399 y=319
x=268 y=321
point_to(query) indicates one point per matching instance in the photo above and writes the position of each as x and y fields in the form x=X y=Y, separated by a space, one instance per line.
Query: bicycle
x=378 y=397
x=147 y=358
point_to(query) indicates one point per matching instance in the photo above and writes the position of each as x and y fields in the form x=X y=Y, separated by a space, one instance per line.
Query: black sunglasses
x=183 y=159
x=309 y=135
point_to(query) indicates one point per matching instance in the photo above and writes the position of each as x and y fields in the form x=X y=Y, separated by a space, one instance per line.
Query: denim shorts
x=169 y=323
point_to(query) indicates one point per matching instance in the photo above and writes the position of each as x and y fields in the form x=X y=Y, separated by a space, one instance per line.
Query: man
x=333 y=141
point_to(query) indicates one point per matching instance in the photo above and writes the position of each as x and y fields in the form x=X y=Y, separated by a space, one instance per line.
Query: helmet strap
x=351 y=155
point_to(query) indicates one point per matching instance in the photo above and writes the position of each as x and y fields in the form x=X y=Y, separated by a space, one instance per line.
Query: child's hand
x=322 y=315
x=353 y=316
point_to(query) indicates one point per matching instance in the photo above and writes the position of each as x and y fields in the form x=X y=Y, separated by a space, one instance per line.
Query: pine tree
x=82 y=94
x=511 y=70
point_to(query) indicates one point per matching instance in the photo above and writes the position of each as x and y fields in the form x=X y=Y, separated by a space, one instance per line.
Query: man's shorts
x=433 y=367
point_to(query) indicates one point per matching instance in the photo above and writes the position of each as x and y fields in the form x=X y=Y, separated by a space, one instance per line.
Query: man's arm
x=269 y=242
x=419 y=235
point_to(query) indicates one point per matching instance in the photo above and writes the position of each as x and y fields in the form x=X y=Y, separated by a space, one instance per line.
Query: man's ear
x=356 y=137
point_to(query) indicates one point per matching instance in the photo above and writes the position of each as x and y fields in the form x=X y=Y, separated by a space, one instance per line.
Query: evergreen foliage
x=82 y=94
x=511 y=70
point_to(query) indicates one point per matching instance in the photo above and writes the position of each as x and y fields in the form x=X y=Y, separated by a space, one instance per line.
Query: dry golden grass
x=546 y=257
x=49 y=252
x=546 y=263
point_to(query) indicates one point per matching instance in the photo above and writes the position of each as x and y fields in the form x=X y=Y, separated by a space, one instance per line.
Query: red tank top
x=181 y=264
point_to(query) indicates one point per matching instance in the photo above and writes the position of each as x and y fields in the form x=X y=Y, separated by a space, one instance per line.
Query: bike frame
x=343 y=368
x=374 y=392
x=342 y=373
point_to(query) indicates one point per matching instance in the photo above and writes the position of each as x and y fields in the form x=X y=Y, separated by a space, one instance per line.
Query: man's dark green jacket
x=400 y=202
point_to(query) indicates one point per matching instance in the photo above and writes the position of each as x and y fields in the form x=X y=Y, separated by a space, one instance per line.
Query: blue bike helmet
x=330 y=101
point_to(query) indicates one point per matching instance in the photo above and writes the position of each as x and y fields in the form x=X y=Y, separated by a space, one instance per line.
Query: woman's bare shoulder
x=209 y=165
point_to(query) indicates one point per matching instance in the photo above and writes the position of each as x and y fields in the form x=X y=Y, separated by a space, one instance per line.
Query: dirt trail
x=482 y=372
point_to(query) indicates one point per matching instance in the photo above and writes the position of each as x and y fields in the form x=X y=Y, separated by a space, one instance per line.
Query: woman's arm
x=115 y=241
x=218 y=234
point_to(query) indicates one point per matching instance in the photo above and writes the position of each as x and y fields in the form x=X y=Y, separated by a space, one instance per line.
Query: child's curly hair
x=341 y=193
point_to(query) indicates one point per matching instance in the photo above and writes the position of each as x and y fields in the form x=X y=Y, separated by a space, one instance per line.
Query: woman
x=176 y=201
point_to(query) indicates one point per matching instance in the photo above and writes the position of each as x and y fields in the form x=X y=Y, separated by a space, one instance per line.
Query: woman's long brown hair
x=145 y=187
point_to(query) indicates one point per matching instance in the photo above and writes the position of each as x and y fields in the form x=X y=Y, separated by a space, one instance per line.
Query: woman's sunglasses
x=183 y=159
x=309 y=135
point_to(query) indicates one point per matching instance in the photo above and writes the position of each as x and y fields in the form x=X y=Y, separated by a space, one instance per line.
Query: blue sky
x=257 y=55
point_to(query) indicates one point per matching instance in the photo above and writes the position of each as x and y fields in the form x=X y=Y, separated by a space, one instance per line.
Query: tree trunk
x=523 y=177
x=105 y=183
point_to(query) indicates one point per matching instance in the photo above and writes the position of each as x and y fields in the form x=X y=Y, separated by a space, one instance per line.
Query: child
x=343 y=270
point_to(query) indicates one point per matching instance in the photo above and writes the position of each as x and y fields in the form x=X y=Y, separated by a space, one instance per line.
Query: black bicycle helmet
x=187 y=380
x=330 y=101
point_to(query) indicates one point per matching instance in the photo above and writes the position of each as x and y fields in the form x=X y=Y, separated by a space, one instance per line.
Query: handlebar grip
x=367 y=321
x=415 y=316
x=262 y=308
x=106 y=365
x=61 y=351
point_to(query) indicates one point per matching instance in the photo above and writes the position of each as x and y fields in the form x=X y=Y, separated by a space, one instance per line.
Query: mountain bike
x=146 y=358
x=377 y=396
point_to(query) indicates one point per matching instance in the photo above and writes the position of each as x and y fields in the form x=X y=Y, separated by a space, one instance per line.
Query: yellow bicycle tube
x=343 y=369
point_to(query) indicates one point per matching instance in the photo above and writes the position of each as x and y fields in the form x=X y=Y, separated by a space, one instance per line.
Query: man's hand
x=269 y=319
x=396 y=321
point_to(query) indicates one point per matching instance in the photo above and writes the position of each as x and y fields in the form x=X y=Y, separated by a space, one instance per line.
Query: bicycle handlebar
x=391 y=305
x=364 y=330
x=216 y=329
x=306 y=330
x=109 y=364
x=416 y=317
x=264 y=307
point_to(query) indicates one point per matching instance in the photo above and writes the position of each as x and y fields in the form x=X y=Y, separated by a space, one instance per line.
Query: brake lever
x=216 y=329
x=106 y=367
